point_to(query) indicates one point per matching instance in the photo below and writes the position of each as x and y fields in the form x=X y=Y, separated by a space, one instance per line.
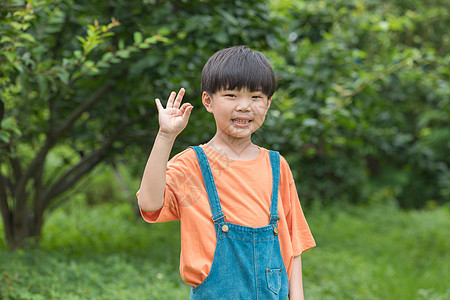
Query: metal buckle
x=221 y=217
x=274 y=217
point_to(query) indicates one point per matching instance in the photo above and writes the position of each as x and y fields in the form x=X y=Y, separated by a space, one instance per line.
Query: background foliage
x=361 y=114
x=364 y=98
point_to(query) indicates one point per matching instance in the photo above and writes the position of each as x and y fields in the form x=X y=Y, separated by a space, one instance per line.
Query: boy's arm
x=172 y=120
x=296 y=281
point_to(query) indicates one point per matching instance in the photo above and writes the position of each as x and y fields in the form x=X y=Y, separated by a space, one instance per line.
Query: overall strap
x=210 y=186
x=275 y=165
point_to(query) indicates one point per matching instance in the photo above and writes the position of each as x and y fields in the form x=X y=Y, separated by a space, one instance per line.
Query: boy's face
x=238 y=113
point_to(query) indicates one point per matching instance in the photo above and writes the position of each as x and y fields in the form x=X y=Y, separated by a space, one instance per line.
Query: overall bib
x=247 y=261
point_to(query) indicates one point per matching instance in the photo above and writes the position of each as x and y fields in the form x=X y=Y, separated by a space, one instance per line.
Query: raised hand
x=174 y=118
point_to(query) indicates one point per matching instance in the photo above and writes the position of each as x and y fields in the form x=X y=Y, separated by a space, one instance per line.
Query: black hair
x=237 y=68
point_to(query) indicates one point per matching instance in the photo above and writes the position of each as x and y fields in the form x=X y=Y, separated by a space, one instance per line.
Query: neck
x=234 y=148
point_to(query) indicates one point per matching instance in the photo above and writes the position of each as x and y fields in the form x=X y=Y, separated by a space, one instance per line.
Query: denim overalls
x=247 y=261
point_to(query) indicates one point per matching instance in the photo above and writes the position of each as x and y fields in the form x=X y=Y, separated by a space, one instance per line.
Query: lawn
x=105 y=252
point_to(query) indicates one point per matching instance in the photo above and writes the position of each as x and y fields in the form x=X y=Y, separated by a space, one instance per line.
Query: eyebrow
x=238 y=90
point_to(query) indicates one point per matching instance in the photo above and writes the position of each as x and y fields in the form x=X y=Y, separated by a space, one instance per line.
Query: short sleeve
x=166 y=213
x=300 y=233
x=181 y=188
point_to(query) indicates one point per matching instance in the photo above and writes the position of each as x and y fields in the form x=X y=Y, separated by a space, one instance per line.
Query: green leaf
x=16 y=25
x=77 y=53
x=5 y=39
x=103 y=64
x=164 y=31
x=9 y=123
x=228 y=17
x=123 y=53
x=63 y=76
x=91 y=29
x=81 y=39
x=107 y=56
x=4 y=136
x=221 y=37
x=138 y=37
x=121 y=44
x=308 y=122
x=144 y=46
x=28 y=37
x=10 y=56
x=107 y=34
x=151 y=40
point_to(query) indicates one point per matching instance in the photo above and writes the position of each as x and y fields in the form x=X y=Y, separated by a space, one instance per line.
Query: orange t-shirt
x=244 y=189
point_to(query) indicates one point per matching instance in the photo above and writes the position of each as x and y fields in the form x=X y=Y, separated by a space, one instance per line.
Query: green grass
x=378 y=253
x=100 y=252
x=104 y=252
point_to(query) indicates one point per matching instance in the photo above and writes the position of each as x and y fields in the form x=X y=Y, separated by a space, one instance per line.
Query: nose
x=244 y=104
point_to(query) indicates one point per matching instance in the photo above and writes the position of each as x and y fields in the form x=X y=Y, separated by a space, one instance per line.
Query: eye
x=257 y=97
x=230 y=95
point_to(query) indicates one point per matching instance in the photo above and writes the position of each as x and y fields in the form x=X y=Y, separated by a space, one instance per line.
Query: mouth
x=241 y=121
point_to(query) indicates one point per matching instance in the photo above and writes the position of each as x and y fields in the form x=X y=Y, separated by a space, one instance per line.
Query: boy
x=242 y=227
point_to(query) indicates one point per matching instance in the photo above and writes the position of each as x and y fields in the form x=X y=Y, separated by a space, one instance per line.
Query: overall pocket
x=274 y=279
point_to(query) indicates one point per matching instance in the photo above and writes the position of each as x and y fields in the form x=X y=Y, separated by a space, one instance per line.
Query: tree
x=73 y=98
x=31 y=123
x=365 y=99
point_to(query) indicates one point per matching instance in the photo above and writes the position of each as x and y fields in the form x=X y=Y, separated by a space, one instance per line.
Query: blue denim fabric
x=247 y=261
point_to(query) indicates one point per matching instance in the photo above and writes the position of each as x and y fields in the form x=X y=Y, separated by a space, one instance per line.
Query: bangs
x=238 y=68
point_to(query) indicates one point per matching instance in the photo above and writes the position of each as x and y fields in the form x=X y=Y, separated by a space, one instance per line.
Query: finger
x=179 y=97
x=158 y=105
x=187 y=112
x=184 y=106
x=170 y=100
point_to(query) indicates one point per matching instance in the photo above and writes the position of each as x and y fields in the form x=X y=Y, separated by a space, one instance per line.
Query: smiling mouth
x=239 y=121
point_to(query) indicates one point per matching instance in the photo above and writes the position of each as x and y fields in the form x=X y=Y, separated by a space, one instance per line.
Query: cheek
x=260 y=120
x=260 y=108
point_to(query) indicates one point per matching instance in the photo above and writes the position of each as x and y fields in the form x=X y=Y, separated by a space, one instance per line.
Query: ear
x=207 y=102
x=269 y=101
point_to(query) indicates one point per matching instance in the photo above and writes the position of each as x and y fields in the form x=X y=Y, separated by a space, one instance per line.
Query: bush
x=363 y=96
